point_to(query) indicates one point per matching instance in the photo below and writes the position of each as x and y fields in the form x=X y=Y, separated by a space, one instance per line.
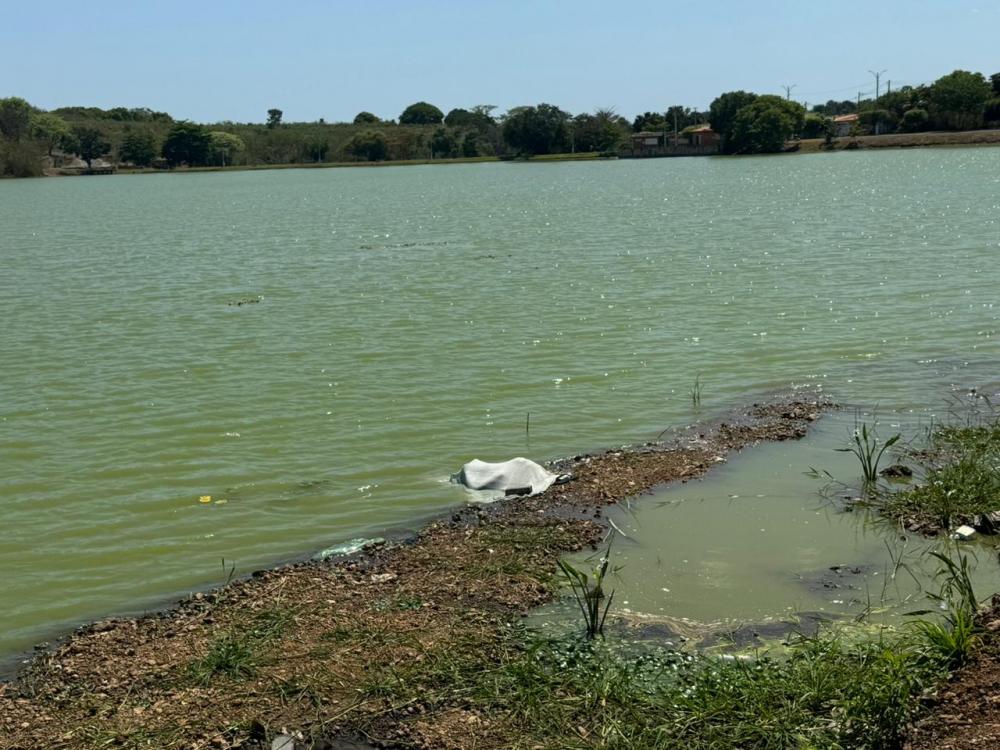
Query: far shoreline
x=890 y=141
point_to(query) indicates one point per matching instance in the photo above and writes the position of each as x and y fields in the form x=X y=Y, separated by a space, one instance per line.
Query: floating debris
x=205 y=499
x=964 y=533
x=244 y=301
x=348 y=548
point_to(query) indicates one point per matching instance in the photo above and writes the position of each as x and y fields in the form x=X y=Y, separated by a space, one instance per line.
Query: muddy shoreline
x=305 y=630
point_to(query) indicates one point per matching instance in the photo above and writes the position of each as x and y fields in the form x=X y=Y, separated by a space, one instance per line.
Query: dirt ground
x=965 y=715
x=320 y=647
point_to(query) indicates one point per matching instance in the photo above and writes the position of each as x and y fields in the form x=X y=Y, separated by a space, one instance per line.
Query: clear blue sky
x=227 y=60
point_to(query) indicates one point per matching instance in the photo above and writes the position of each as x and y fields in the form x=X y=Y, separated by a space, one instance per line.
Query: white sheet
x=515 y=474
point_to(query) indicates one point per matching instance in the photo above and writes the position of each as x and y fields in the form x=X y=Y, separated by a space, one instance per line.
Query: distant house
x=702 y=135
x=843 y=124
x=647 y=142
x=698 y=140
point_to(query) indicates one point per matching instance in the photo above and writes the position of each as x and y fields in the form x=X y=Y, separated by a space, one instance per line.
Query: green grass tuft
x=228 y=656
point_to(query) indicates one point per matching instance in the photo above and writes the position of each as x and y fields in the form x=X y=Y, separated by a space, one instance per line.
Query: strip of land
x=391 y=645
x=903 y=140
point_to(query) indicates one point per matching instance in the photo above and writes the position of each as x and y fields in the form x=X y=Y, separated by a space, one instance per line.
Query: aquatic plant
x=588 y=590
x=953 y=639
x=865 y=445
x=696 y=393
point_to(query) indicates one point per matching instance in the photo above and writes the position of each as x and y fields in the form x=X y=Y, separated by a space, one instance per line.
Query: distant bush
x=814 y=126
x=370 y=145
x=914 y=121
x=877 y=120
x=364 y=118
x=20 y=159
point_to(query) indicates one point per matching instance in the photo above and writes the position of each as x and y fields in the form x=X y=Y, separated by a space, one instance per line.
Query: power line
x=861 y=87
x=855 y=87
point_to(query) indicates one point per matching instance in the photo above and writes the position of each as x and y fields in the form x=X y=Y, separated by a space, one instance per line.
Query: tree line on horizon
x=746 y=122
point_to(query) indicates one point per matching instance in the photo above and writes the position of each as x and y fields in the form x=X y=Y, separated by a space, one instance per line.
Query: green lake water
x=409 y=318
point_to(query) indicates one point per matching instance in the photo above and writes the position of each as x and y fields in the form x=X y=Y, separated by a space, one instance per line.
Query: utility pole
x=877 y=76
x=788 y=90
x=888 y=88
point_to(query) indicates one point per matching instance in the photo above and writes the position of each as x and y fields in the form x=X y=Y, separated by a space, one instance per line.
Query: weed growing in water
x=952 y=640
x=696 y=393
x=866 y=448
x=588 y=590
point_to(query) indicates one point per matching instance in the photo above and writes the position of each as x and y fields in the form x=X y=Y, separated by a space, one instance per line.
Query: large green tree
x=464 y=118
x=684 y=117
x=722 y=115
x=957 y=99
x=995 y=82
x=138 y=147
x=365 y=118
x=601 y=131
x=833 y=107
x=648 y=121
x=763 y=125
x=274 y=118
x=421 y=113
x=223 y=147
x=535 y=130
x=89 y=143
x=15 y=118
x=187 y=143
x=51 y=130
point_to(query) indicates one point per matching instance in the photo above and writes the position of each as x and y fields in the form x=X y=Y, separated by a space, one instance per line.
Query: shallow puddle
x=756 y=542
